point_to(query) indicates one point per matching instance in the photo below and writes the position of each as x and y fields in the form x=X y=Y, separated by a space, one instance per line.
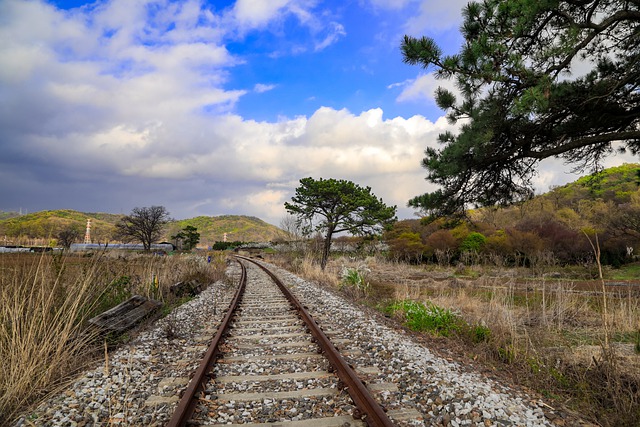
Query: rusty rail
x=372 y=412
x=187 y=404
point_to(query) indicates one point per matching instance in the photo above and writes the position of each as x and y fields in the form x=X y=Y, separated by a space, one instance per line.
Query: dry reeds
x=43 y=339
x=46 y=300
x=309 y=268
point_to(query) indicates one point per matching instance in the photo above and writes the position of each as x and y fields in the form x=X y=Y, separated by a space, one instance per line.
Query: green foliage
x=353 y=279
x=407 y=246
x=223 y=246
x=506 y=353
x=543 y=232
x=187 y=238
x=521 y=102
x=474 y=242
x=425 y=316
x=331 y=206
x=627 y=272
x=480 y=333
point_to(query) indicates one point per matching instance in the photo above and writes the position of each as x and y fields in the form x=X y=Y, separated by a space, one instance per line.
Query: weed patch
x=353 y=281
x=425 y=316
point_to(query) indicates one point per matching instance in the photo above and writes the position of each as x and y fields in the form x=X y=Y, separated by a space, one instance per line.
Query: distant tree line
x=552 y=229
x=223 y=246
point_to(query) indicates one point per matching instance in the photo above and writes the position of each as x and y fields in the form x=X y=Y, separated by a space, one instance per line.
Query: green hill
x=44 y=226
x=556 y=228
x=616 y=185
x=237 y=227
x=7 y=215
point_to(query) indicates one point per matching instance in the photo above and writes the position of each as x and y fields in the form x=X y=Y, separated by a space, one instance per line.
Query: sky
x=218 y=107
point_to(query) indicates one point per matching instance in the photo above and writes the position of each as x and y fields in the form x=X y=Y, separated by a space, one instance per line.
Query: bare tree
x=143 y=225
x=67 y=236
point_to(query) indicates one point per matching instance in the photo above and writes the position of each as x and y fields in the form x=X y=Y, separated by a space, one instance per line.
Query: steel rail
x=187 y=403
x=372 y=412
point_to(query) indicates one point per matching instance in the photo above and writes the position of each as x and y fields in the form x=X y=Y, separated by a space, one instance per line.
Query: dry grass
x=46 y=300
x=309 y=268
x=42 y=338
x=548 y=333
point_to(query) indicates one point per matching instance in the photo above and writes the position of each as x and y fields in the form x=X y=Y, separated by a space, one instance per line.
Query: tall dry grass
x=43 y=339
x=308 y=267
x=46 y=301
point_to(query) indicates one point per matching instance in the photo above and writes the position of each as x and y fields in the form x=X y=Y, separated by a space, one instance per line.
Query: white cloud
x=257 y=13
x=261 y=88
x=390 y=4
x=435 y=16
x=422 y=88
x=335 y=32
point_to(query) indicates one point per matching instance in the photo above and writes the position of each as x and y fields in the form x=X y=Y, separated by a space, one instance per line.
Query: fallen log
x=126 y=314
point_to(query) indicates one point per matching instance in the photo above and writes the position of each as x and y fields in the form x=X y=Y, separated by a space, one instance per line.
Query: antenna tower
x=87 y=234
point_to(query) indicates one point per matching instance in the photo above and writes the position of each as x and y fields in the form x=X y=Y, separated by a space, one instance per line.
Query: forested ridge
x=555 y=226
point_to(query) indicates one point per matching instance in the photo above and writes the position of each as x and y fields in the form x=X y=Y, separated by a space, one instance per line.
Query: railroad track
x=271 y=363
x=267 y=370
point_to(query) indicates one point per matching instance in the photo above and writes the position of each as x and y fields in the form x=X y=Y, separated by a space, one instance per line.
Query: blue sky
x=212 y=108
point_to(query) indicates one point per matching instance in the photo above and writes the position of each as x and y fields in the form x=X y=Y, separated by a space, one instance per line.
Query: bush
x=426 y=317
x=474 y=242
x=353 y=280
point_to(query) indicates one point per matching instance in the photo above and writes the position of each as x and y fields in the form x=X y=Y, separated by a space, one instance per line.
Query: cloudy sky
x=216 y=107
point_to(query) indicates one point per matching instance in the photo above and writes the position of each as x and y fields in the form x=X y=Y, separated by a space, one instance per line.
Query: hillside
x=7 y=215
x=616 y=185
x=237 y=228
x=613 y=186
x=46 y=225
x=556 y=225
x=42 y=227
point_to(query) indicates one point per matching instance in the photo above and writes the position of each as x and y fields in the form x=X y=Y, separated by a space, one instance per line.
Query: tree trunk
x=326 y=249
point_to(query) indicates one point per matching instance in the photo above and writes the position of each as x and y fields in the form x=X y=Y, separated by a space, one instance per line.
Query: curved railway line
x=272 y=365
x=265 y=323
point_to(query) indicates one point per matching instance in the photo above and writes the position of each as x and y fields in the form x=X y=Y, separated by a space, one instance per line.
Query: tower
x=87 y=234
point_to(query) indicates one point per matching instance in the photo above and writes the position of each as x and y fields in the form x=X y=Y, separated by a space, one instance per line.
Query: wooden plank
x=126 y=314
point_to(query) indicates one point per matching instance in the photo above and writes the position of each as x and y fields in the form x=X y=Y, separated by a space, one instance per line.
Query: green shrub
x=474 y=242
x=116 y=292
x=353 y=280
x=426 y=317
x=480 y=333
